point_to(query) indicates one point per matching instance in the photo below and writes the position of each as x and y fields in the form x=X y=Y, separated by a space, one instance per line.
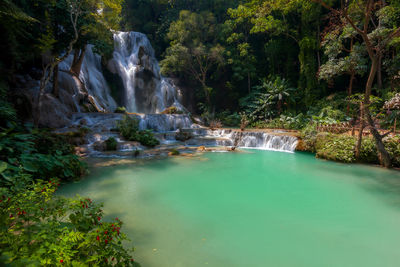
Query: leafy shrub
x=228 y=119
x=328 y=115
x=309 y=136
x=335 y=147
x=393 y=147
x=111 y=144
x=38 y=228
x=283 y=122
x=129 y=129
x=120 y=110
x=47 y=142
x=7 y=112
x=368 y=152
x=146 y=138
x=24 y=153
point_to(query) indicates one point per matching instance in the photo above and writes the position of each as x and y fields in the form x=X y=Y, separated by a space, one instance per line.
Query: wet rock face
x=53 y=113
x=100 y=146
x=145 y=90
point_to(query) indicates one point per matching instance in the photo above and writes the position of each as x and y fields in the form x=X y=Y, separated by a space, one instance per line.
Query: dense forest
x=300 y=65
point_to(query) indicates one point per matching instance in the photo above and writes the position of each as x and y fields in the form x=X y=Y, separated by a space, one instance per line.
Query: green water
x=259 y=208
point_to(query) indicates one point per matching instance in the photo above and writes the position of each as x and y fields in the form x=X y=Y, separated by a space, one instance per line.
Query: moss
x=121 y=110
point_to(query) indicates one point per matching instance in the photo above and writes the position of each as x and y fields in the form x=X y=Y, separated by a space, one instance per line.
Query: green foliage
x=7 y=111
x=283 y=122
x=328 y=115
x=111 y=144
x=128 y=126
x=393 y=147
x=335 y=147
x=341 y=147
x=368 y=152
x=194 y=48
x=129 y=129
x=309 y=136
x=229 y=119
x=39 y=228
x=268 y=99
x=26 y=156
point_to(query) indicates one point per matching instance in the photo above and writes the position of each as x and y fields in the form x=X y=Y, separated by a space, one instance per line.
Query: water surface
x=259 y=208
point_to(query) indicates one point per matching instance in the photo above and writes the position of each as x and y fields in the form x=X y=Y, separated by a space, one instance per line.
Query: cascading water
x=258 y=140
x=146 y=91
x=92 y=77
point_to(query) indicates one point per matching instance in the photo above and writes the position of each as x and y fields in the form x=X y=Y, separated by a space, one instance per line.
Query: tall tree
x=194 y=48
x=374 y=23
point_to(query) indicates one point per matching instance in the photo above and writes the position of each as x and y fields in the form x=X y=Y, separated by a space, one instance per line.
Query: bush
x=38 y=228
x=335 y=147
x=393 y=147
x=129 y=129
x=230 y=120
x=309 y=136
x=26 y=154
x=111 y=144
x=368 y=152
x=146 y=138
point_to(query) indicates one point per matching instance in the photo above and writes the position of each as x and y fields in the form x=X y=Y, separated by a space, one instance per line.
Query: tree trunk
x=360 y=133
x=76 y=65
x=379 y=73
x=55 y=82
x=384 y=156
x=350 y=91
x=47 y=74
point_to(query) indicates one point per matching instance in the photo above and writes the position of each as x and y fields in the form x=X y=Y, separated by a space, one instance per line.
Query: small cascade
x=256 y=140
x=164 y=122
x=174 y=131
x=146 y=91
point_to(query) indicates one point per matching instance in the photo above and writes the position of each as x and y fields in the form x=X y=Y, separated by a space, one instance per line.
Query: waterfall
x=146 y=91
x=92 y=77
x=256 y=140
